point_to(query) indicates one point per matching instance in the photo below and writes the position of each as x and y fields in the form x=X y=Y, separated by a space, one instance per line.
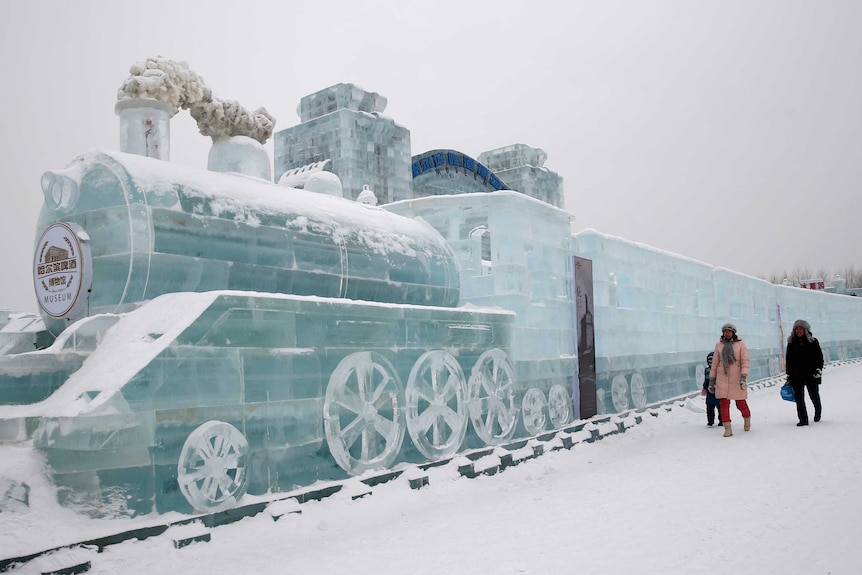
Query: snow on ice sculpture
x=241 y=155
x=367 y=196
x=324 y=183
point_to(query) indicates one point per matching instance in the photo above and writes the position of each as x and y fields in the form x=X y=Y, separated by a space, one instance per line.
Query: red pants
x=724 y=409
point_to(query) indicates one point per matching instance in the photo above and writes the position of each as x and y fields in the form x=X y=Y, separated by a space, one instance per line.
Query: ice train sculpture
x=219 y=335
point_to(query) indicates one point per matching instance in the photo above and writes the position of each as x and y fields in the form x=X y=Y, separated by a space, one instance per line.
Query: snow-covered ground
x=668 y=496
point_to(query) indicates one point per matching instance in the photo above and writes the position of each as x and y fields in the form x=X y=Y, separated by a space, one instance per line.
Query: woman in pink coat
x=728 y=378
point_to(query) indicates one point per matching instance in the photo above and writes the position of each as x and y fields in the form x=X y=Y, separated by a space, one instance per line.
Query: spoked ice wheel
x=559 y=406
x=436 y=398
x=363 y=413
x=533 y=408
x=638 y=386
x=619 y=393
x=491 y=392
x=212 y=472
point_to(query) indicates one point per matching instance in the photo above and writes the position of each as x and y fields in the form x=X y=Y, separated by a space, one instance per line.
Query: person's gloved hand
x=817 y=375
x=711 y=387
x=743 y=382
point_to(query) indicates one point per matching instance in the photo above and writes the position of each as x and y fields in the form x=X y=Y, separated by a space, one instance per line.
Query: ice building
x=206 y=334
x=343 y=131
x=523 y=168
x=344 y=124
x=511 y=255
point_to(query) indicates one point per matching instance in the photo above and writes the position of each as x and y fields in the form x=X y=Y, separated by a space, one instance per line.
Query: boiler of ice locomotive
x=117 y=229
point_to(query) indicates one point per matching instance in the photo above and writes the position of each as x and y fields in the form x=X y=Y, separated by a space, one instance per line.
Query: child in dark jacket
x=712 y=402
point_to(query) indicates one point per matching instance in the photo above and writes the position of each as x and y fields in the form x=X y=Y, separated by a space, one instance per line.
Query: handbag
x=787 y=393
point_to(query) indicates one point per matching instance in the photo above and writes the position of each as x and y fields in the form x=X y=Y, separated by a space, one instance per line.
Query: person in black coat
x=804 y=364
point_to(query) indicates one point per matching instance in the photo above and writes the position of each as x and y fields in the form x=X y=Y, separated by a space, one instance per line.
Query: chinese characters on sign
x=813 y=284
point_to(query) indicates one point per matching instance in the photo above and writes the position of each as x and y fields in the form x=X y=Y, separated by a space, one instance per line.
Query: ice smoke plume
x=172 y=82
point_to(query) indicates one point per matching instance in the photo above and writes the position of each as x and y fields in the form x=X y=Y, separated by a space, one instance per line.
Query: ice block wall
x=657 y=315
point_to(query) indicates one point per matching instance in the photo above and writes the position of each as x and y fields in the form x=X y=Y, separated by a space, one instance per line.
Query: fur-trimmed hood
x=803 y=324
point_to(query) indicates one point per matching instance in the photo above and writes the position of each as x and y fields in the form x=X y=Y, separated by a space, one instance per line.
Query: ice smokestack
x=174 y=84
x=145 y=127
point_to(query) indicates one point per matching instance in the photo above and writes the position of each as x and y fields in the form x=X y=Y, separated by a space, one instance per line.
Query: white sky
x=668 y=496
x=723 y=130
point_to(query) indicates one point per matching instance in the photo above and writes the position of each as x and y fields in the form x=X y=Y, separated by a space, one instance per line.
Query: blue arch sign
x=438 y=159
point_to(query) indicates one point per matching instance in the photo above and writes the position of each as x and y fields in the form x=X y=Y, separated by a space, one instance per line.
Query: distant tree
x=852 y=274
x=778 y=278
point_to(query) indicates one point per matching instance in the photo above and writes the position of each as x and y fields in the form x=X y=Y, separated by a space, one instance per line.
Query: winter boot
x=727 y=431
x=747 y=424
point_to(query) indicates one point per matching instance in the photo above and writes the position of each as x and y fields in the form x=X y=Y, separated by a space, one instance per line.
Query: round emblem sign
x=62 y=272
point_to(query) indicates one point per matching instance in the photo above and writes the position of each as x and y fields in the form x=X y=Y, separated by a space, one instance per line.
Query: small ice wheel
x=533 y=408
x=559 y=406
x=639 y=391
x=619 y=393
x=212 y=472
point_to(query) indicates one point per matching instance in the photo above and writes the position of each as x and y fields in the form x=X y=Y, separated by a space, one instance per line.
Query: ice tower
x=522 y=168
x=343 y=123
